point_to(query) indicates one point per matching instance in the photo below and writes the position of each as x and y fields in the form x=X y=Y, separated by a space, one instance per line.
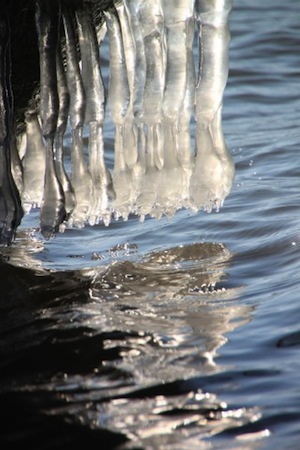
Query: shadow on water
x=122 y=353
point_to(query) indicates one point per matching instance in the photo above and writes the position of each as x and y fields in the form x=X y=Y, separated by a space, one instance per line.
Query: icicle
x=176 y=42
x=21 y=143
x=159 y=143
x=213 y=165
x=62 y=121
x=169 y=195
x=155 y=71
x=128 y=47
x=122 y=179
x=53 y=212
x=10 y=204
x=155 y=48
x=34 y=163
x=16 y=165
x=80 y=175
x=133 y=128
x=175 y=71
x=177 y=108
x=153 y=92
x=146 y=28
x=224 y=156
x=178 y=10
x=119 y=95
x=183 y=138
x=212 y=18
x=102 y=179
x=139 y=169
x=52 y=209
x=94 y=115
x=149 y=187
x=134 y=55
x=90 y=67
x=132 y=10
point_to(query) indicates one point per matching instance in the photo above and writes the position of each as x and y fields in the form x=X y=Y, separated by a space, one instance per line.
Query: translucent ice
x=34 y=163
x=94 y=115
x=62 y=121
x=53 y=203
x=157 y=90
x=80 y=175
x=213 y=173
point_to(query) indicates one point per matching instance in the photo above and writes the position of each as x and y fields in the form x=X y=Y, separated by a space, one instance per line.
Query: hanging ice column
x=80 y=176
x=152 y=85
x=177 y=105
x=53 y=211
x=154 y=90
x=10 y=203
x=94 y=116
x=214 y=171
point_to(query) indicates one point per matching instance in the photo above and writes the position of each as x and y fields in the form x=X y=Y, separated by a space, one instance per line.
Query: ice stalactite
x=34 y=163
x=80 y=175
x=62 y=122
x=16 y=165
x=53 y=210
x=150 y=113
x=155 y=45
x=212 y=177
x=158 y=91
x=176 y=109
x=94 y=116
x=10 y=204
x=119 y=97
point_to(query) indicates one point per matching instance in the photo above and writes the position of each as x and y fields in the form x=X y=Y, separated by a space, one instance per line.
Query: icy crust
x=157 y=85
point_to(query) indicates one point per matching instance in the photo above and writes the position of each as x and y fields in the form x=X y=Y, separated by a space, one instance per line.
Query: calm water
x=173 y=334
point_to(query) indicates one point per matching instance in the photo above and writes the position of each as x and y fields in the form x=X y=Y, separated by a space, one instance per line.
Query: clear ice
x=168 y=65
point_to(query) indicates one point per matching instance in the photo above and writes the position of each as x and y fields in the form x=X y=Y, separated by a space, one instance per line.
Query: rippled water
x=173 y=334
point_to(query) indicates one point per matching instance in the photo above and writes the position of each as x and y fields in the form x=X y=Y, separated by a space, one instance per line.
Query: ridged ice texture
x=157 y=85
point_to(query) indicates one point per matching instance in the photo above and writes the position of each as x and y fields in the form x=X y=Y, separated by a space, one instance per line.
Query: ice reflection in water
x=141 y=338
x=168 y=66
x=148 y=296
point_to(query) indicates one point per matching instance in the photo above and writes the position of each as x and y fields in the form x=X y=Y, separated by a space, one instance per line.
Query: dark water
x=173 y=334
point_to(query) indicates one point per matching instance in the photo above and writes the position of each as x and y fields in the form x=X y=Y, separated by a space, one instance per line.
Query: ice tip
x=48 y=232
x=7 y=236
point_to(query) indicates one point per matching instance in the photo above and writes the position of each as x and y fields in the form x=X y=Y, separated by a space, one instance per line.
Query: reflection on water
x=123 y=350
x=172 y=301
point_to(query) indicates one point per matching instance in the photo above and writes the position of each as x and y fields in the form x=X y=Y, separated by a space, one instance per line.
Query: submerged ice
x=168 y=65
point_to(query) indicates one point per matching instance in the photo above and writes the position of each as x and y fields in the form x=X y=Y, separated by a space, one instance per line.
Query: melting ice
x=168 y=66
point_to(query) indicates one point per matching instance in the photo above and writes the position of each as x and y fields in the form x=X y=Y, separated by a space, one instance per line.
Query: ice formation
x=168 y=66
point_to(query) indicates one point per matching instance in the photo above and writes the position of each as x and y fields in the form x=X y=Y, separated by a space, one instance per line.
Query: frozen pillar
x=10 y=204
x=214 y=171
x=53 y=211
